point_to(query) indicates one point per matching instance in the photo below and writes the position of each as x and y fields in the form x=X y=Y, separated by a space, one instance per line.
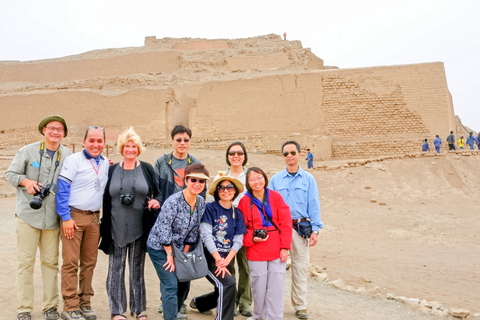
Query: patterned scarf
x=261 y=207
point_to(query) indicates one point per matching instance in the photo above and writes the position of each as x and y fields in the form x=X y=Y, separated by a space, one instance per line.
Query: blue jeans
x=173 y=292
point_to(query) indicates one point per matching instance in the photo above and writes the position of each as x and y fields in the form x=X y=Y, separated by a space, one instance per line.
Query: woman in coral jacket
x=267 y=241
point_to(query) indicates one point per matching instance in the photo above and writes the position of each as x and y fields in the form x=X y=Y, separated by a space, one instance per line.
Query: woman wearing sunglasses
x=236 y=158
x=177 y=223
x=267 y=241
x=222 y=230
x=127 y=218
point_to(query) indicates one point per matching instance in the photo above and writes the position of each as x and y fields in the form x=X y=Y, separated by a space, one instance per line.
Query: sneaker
x=246 y=311
x=72 y=315
x=182 y=316
x=51 y=313
x=235 y=312
x=183 y=309
x=88 y=313
x=194 y=306
x=160 y=308
x=24 y=316
x=301 y=314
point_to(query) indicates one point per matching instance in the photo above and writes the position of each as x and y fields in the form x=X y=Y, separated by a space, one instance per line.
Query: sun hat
x=199 y=175
x=215 y=183
x=48 y=119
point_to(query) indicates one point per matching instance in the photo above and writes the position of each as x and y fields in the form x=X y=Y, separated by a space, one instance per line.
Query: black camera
x=36 y=202
x=127 y=199
x=260 y=233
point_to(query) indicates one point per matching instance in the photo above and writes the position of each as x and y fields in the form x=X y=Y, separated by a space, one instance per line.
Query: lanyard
x=97 y=181
x=134 y=178
x=96 y=169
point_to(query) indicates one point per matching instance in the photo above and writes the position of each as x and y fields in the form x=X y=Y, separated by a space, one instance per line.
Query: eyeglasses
x=95 y=127
x=201 y=181
x=229 y=188
x=53 y=129
x=238 y=153
x=293 y=153
x=257 y=179
x=179 y=140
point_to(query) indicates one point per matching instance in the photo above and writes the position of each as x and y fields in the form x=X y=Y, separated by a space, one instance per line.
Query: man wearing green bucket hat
x=34 y=172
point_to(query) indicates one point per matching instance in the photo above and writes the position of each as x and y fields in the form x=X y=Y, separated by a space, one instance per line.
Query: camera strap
x=57 y=162
x=169 y=163
x=134 y=178
x=264 y=205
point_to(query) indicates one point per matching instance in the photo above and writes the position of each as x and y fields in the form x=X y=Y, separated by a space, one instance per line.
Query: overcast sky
x=347 y=34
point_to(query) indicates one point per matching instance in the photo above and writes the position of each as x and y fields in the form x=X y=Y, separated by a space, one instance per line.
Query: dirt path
x=423 y=243
x=326 y=302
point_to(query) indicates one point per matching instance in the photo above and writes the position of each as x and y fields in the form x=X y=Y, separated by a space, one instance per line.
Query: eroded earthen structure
x=259 y=90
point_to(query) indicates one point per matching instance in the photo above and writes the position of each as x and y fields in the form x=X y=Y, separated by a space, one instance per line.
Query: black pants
x=223 y=298
x=451 y=146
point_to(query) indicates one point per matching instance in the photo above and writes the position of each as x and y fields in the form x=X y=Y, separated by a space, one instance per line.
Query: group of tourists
x=162 y=210
x=471 y=142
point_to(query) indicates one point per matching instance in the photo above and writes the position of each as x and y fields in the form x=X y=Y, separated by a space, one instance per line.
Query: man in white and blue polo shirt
x=81 y=184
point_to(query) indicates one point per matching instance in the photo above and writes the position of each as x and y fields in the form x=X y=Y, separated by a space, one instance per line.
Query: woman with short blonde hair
x=130 y=195
x=129 y=135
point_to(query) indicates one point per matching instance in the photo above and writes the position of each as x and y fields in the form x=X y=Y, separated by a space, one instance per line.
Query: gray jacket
x=165 y=176
x=25 y=165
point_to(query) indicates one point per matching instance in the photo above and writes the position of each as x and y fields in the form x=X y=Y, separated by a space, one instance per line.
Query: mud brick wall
x=68 y=70
x=258 y=62
x=369 y=149
x=145 y=110
x=397 y=101
x=383 y=110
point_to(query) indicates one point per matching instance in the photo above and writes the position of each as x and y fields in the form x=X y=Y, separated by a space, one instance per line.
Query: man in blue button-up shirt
x=299 y=190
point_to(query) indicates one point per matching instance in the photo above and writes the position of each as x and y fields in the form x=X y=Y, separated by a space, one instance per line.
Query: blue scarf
x=89 y=156
x=260 y=207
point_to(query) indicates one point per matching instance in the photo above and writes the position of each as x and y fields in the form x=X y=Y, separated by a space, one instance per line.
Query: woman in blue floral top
x=177 y=223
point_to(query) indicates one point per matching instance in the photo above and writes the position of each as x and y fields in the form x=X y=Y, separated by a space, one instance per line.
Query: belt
x=85 y=212
x=295 y=221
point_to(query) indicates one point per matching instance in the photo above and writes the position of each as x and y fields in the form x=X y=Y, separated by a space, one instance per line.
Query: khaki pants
x=300 y=258
x=77 y=287
x=28 y=239
x=243 y=297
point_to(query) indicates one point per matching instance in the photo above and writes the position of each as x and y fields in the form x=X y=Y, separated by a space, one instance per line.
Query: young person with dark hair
x=177 y=223
x=236 y=158
x=170 y=171
x=267 y=241
x=222 y=230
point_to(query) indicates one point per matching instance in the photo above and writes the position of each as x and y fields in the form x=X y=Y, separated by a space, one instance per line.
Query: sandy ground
x=421 y=242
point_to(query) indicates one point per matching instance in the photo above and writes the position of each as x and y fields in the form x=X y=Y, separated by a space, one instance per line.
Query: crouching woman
x=222 y=230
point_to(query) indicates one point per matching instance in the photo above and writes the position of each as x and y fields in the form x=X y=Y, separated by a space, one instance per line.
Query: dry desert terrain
x=407 y=226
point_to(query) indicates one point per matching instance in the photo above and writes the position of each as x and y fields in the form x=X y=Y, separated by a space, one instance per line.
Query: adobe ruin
x=260 y=90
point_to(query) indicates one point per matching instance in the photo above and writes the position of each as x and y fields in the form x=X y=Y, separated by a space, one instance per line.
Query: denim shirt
x=174 y=223
x=300 y=192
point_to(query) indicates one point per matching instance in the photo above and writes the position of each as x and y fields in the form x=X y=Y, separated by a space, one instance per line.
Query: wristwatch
x=316 y=232
x=169 y=254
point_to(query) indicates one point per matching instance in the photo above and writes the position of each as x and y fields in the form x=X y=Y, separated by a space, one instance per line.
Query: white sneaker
x=182 y=316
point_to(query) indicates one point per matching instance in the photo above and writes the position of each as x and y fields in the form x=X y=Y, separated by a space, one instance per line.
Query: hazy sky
x=347 y=34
